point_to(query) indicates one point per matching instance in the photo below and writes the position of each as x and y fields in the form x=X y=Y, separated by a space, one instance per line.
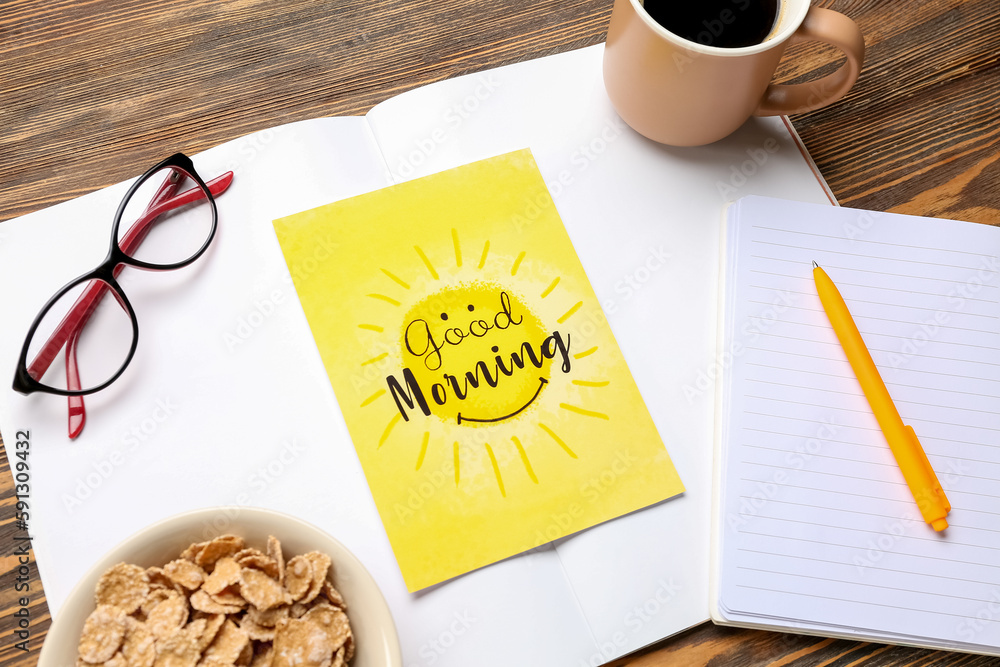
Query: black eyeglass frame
x=23 y=382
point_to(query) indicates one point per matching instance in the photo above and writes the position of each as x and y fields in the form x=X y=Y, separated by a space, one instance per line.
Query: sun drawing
x=481 y=358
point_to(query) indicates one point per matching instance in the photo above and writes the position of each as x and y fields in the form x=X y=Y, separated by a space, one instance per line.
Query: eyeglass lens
x=164 y=237
x=97 y=331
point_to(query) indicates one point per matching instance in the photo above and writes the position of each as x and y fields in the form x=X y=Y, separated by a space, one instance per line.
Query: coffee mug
x=689 y=93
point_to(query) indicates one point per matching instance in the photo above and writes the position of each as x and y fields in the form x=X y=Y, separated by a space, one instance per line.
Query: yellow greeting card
x=488 y=401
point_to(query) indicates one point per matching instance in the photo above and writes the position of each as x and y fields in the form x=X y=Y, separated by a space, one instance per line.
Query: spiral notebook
x=815 y=529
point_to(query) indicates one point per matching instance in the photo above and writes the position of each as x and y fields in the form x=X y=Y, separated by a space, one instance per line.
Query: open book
x=227 y=402
x=817 y=531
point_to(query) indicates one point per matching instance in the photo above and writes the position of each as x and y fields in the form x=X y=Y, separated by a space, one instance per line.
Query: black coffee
x=725 y=23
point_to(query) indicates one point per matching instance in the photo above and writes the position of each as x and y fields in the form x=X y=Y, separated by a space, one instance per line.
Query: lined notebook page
x=818 y=529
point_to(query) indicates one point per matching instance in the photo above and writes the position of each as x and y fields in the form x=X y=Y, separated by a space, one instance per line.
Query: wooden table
x=90 y=92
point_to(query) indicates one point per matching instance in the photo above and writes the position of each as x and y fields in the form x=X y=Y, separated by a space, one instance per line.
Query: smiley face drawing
x=473 y=354
x=482 y=366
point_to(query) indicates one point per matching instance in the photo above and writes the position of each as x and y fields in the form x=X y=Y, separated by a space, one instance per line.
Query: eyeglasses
x=100 y=335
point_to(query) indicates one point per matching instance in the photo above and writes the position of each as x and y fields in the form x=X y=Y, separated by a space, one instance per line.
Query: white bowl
x=374 y=631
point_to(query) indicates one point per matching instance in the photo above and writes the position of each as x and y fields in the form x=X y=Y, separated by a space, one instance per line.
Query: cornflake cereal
x=220 y=604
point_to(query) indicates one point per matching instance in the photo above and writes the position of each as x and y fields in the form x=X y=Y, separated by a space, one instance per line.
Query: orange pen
x=910 y=456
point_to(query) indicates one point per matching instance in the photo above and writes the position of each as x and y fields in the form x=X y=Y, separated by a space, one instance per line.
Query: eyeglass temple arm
x=86 y=303
x=76 y=408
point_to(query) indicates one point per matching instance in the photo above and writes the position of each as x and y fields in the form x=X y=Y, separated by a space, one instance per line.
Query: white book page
x=227 y=402
x=818 y=529
x=644 y=220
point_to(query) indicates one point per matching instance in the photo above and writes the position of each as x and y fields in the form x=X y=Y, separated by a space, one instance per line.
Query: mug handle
x=835 y=29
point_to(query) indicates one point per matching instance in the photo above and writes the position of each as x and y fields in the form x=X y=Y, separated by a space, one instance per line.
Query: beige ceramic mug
x=685 y=93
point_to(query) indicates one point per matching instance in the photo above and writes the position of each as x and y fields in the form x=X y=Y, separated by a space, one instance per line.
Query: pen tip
x=815 y=265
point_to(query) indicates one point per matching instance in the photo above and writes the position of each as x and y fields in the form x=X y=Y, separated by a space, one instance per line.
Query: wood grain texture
x=94 y=91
